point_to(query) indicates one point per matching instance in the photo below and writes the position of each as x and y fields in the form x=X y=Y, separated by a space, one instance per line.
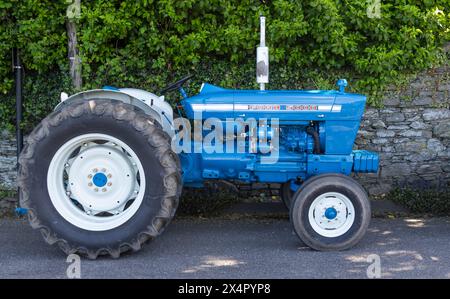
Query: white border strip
x=212 y=107
x=245 y=107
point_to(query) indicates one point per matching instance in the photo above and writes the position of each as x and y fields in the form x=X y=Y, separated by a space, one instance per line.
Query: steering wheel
x=175 y=85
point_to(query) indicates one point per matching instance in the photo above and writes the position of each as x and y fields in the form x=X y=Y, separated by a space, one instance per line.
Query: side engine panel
x=292 y=157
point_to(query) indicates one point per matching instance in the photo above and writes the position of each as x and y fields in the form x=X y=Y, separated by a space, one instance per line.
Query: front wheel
x=98 y=178
x=331 y=213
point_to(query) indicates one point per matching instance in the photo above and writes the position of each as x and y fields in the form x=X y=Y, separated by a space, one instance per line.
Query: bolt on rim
x=96 y=182
x=331 y=214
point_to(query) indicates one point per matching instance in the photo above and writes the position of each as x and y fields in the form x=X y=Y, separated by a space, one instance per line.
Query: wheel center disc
x=330 y=213
x=100 y=179
x=96 y=182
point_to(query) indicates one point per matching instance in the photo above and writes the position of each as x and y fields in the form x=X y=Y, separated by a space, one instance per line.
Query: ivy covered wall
x=146 y=44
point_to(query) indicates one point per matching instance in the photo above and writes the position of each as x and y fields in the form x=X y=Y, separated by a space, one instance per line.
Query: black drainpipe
x=18 y=72
x=18 y=75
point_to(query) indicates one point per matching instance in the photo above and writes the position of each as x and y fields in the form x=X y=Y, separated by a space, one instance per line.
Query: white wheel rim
x=331 y=214
x=96 y=182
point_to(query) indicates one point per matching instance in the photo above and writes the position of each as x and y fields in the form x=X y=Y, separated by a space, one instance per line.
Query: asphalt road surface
x=242 y=248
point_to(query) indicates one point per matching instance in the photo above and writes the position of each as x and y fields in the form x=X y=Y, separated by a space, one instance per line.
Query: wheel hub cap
x=330 y=213
x=100 y=180
x=94 y=178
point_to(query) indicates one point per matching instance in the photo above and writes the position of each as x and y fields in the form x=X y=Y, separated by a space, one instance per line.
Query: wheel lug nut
x=68 y=192
x=109 y=184
x=90 y=184
x=96 y=189
x=103 y=169
x=104 y=190
x=109 y=176
x=66 y=165
x=90 y=176
x=95 y=170
x=136 y=191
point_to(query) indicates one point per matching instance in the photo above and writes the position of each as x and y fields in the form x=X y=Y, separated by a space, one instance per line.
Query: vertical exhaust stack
x=262 y=57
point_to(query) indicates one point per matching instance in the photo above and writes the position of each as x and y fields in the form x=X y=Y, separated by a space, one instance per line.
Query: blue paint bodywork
x=334 y=115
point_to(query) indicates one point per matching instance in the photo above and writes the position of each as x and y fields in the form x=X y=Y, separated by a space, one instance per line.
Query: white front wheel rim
x=331 y=214
x=96 y=182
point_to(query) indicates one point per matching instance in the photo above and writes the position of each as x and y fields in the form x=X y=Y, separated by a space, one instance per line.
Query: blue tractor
x=103 y=173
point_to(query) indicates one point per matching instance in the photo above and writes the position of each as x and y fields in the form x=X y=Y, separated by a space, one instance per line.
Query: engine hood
x=214 y=101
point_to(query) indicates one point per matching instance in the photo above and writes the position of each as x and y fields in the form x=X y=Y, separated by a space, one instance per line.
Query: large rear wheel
x=99 y=177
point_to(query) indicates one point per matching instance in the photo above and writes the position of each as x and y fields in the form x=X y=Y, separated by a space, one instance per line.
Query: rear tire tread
x=142 y=123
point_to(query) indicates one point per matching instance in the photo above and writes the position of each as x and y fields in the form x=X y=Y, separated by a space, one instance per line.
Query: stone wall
x=411 y=133
x=7 y=172
x=8 y=161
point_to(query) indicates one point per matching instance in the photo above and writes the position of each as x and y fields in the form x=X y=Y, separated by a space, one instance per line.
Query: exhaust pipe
x=262 y=57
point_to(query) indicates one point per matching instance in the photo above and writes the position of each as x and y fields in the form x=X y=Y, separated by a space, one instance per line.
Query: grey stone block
x=391 y=102
x=385 y=133
x=427 y=168
x=378 y=124
x=419 y=125
x=422 y=101
x=411 y=133
x=395 y=169
x=398 y=127
x=435 y=145
x=380 y=141
x=411 y=146
x=395 y=117
x=435 y=114
x=442 y=129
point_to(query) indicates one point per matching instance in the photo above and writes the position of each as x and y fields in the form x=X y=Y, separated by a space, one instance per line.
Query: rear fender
x=149 y=103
